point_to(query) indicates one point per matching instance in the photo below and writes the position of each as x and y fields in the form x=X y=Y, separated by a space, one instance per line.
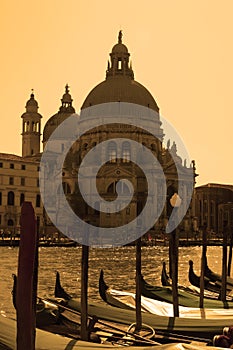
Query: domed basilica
x=120 y=90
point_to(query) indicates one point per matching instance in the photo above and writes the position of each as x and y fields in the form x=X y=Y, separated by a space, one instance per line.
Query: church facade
x=119 y=87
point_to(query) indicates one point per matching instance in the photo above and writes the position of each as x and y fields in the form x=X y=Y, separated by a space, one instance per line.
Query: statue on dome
x=120 y=37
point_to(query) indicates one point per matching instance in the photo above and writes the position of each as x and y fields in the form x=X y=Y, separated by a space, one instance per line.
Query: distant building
x=214 y=207
x=19 y=180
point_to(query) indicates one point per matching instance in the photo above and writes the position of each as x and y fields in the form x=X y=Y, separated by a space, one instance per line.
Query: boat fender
x=221 y=341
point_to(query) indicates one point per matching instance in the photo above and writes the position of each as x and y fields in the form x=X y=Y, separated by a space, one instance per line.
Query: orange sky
x=181 y=51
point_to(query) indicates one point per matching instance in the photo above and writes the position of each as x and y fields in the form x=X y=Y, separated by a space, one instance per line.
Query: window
x=22 y=181
x=64 y=188
x=112 y=152
x=11 y=198
x=119 y=64
x=0 y=198
x=38 y=168
x=10 y=222
x=1 y=164
x=38 y=223
x=124 y=189
x=12 y=166
x=37 y=200
x=23 y=167
x=97 y=208
x=126 y=152
x=22 y=198
x=11 y=181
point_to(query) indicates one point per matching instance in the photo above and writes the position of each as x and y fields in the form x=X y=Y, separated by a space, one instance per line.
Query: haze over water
x=117 y=263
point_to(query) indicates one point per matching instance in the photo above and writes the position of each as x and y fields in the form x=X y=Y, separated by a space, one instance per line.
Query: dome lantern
x=32 y=105
x=66 y=99
x=119 y=60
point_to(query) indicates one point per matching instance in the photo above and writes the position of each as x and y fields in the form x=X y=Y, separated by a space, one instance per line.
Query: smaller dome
x=32 y=102
x=119 y=48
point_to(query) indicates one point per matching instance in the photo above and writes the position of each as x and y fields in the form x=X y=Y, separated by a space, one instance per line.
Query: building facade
x=214 y=207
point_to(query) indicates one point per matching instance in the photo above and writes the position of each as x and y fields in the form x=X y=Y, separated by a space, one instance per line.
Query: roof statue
x=120 y=37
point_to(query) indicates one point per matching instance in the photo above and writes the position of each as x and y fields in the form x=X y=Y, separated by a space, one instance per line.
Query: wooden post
x=174 y=271
x=230 y=255
x=27 y=280
x=84 y=291
x=138 y=285
x=203 y=264
x=224 y=264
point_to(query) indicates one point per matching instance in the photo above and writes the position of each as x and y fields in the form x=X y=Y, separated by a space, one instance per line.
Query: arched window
x=126 y=152
x=124 y=189
x=22 y=197
x=111 y=188
x=112 y=152
x=37 y=200
x=11 y=198
x=85 y=146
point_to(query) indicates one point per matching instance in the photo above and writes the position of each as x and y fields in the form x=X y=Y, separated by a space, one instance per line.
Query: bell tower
x=31 y=128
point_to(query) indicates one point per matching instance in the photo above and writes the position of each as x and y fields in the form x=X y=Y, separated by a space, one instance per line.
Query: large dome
x=120 y=85
x=120 y=89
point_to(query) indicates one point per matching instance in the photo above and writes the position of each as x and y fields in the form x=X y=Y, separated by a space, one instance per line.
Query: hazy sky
x=181 y=51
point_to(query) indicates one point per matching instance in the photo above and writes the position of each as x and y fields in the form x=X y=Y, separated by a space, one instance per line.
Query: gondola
x=59 y=291
x=186 y=297
x=48 y=341
x=46 y=313
x=167 y=326
x=208 y=284
x=214 y=277
x=165 y=279
x=191 y=289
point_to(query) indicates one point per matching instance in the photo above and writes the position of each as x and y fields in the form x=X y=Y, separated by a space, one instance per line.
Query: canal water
x=117 y=263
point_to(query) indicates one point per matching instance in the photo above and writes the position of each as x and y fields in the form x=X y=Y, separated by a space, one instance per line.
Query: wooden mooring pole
x=230 y=254
x=138 y=285
x=224 y=264
x=174 y=271
x=84 y=293
x=203 y=265
x=27 y=280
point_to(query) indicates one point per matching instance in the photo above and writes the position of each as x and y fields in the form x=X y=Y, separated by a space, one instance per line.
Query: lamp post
x=175 y=202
